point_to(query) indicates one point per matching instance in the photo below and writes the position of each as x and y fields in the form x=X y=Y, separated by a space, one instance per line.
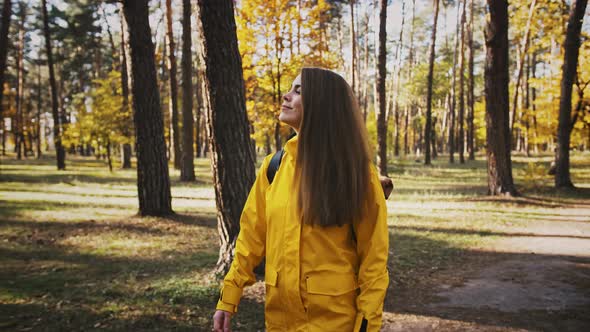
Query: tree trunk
x=339 y=40
x=20 y=78
x=524 y=44
x=187 y=171
x=173 y=100
x=109 y=161
x=410 y=108
x=396 y=86
x=381 y=101
x=363 y=68
x=299 y=21
x=153 y=182
x=428 y=127
x=452 y=104
x=229 y=135
x=110 y=34
x=3 y=138
x=59 y=150
x=433 y=139
x=534 y=103
x=39 y=104
x=570 y=64
x=461 y=135
x=201 y=132
x=406 y=132
x=470 y=88
x=6 y=13
x=527 y=104
x=124 y=59
x=397 y=130
x=27 y=148
x=500 y=180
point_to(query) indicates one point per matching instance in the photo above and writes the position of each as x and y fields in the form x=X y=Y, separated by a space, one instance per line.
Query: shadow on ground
x=481 y=288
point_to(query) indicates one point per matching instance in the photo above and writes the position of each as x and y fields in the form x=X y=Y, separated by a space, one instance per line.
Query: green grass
x=73 y=255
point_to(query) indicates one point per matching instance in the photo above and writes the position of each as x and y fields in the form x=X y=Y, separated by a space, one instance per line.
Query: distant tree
x=396 y=85
x=524 y=46
x=125 y=84
x=453 y=93
x=187 y=170
x=6 y=14
x=381 y=100
x=461 y=120
x=411 y=57
x=105 y=125
x=428 y=128
x=38 y=115
x=470 y=88
x=59 y=150
x=570 y=64
x=153 y=182
x=229 y=141
x=500 y=180
x=353 y=47
x=20 y=85
x=173 y=100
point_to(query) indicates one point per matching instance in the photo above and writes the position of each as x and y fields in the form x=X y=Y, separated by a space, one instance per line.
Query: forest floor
x=73 y=256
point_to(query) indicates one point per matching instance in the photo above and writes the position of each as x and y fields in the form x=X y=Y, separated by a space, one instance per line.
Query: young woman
x=321 y=223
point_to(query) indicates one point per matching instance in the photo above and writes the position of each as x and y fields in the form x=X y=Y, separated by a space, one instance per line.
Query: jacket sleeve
x=372 y=238
x=250 y=245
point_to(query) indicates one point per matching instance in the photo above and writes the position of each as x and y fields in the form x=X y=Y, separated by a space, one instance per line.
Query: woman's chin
x=284 y=118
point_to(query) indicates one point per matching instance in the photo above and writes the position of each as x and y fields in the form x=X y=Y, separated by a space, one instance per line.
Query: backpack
x=273 y=166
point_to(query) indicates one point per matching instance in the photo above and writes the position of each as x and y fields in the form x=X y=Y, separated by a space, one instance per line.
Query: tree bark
x=353 y=64
x=124 y=59
x=187 y=171
x=109 y=161
x=396 y=86
x=570 y=65
x=173 y=100
x=470 y=88
x=381 y=101
x=524 y=45
x=407 y=131
x=461 y=135
x=200 y=91
x=59 y=150
x=526 y=103
x=20 y=78
x=452 y=104
x=227 y=123
x=39 y=103
x=428 y=127
x=410 y=108
x=6 y=14
x=499 y=166
x=153 y=182
x=534 y=103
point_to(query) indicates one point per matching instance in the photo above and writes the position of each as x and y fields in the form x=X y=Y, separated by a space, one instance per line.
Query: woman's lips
x=286 y=107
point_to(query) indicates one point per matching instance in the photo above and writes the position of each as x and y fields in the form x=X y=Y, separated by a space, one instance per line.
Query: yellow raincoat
x=317 y=278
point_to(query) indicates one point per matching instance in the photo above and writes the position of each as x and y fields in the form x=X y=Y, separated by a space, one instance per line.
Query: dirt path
x=533 y=279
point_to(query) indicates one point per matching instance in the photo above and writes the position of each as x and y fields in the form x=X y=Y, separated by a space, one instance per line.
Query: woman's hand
x=221 y=321
x=387 y=185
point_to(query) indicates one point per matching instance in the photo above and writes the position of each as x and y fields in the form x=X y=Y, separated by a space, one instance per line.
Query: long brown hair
x=333 y=153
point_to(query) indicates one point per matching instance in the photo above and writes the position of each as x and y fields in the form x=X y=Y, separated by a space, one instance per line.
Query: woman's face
x=292 y=109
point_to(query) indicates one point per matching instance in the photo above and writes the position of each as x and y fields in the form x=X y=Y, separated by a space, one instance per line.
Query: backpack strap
x=273 y=166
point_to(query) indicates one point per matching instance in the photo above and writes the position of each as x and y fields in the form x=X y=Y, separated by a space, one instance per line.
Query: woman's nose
x=286 y=97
